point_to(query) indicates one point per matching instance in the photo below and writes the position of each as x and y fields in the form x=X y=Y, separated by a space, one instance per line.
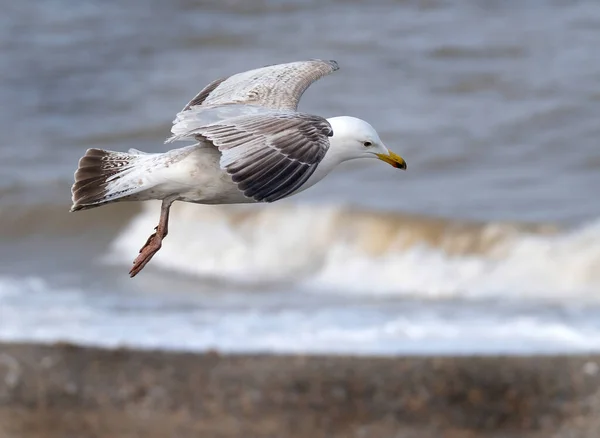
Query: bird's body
x=191 y=173
x=252 y=145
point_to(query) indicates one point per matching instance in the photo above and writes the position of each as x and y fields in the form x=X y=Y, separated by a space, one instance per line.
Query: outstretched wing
x=277 y=86
x=269 y=156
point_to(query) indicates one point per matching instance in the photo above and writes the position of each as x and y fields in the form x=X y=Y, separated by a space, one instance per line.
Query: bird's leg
x=154 y=242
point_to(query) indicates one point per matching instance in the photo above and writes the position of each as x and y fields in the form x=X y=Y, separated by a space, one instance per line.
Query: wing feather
x=277 y=86
x=270 y=157
x=286 y=182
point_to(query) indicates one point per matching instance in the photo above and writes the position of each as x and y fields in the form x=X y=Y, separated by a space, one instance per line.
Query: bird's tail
x=106 y=176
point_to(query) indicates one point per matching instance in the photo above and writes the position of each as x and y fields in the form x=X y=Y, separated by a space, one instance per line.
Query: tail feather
x=97 y=178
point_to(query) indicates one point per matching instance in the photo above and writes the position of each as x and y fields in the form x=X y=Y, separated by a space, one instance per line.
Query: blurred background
x=489 y=243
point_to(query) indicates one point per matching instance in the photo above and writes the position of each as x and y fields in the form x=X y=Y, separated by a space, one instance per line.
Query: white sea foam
x=50 y=314
x=338 y=250
x=557 y=267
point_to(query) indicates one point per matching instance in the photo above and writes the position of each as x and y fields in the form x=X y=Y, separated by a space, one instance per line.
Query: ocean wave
x=68 y=314
x=47 y=312
x=344 y=250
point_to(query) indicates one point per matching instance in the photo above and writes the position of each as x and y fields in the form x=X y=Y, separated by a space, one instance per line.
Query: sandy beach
x=63 y=390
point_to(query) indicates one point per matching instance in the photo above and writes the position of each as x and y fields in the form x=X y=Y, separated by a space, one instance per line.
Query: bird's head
x=355 y=138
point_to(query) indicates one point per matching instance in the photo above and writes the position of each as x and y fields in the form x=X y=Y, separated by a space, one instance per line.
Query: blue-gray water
x=489 y=242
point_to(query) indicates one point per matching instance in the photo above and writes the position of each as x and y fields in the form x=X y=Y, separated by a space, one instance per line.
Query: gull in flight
x=251 y=145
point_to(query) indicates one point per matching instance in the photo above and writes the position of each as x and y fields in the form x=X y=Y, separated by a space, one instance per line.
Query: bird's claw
x=153 y=244
x=148 y=242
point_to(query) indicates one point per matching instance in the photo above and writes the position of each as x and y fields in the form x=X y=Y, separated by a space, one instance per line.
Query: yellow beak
x=393 y=159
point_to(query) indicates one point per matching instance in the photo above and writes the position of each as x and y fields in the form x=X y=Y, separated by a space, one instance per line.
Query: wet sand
x=63 y=391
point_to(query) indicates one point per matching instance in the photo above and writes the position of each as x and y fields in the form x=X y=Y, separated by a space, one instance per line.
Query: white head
x=354 y=138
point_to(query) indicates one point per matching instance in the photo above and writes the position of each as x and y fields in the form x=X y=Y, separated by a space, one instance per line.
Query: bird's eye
x=367 y=144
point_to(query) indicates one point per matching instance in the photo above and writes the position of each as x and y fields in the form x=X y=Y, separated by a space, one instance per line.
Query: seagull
x=251 y=145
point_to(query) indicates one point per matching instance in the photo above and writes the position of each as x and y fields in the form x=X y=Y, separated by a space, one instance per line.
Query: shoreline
x=61 y=389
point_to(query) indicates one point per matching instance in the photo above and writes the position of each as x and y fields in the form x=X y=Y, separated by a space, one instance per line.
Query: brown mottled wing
x=277 y=86
x=270 y=156
x=201 y=97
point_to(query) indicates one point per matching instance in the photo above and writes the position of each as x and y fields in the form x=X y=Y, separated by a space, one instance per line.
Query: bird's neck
x=337 y=153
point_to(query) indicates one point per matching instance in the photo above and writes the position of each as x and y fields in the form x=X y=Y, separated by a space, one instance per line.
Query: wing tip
x=331 y=62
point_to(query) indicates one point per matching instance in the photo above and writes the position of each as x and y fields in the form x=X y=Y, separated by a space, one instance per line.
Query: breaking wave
x=344 y=250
